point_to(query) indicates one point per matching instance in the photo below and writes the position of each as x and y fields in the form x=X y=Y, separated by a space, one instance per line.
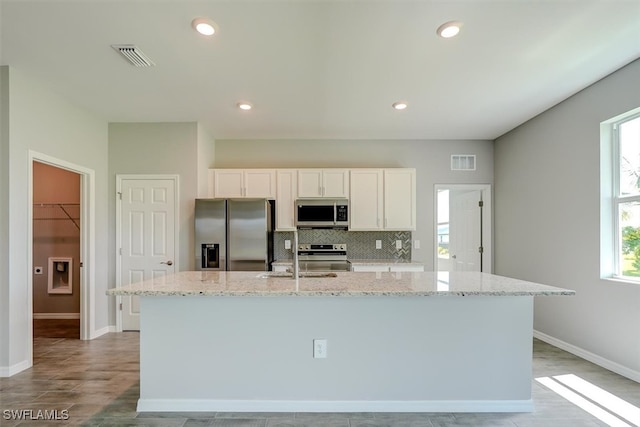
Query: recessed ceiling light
x=400 y=105
x=204 y=26
x=246 y=106
x=449 y=29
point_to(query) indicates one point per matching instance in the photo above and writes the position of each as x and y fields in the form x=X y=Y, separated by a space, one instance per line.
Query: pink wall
x=54 y=235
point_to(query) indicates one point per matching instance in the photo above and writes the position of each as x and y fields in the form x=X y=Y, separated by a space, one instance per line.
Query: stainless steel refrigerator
x=234 y=234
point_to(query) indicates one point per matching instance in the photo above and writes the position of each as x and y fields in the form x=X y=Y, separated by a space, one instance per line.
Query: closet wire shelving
x=57 y=212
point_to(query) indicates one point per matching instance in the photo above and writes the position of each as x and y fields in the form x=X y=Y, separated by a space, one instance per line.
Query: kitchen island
x=395 y=342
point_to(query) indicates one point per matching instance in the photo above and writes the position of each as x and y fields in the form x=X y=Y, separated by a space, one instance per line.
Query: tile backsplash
x=360 y=244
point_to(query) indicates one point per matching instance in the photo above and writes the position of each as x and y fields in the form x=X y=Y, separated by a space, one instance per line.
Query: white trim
x=176 y=200
x=103 y=331
x=587 y=355
x=8 y=371
x=487 y=221
x=56 y=316
x=205 y=405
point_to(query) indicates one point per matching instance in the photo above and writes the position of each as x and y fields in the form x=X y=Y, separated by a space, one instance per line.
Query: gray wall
x=547 y=216
x=430 y=158
x=155 y=148
x=4 y=217
x=43 y=122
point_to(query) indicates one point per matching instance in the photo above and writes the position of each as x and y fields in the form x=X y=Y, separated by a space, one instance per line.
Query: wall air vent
x=463 y=162
x=133 y=55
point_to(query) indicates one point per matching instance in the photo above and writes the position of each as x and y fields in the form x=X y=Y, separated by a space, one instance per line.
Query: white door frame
x=487 y=221
x=87 y=244
x=176 y=228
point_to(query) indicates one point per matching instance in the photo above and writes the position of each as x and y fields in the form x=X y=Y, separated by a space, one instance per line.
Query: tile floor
x=96 y=382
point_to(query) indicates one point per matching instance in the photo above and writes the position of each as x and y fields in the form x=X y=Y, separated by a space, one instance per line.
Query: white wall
x=548 y=225
x=4 y=216
x=43 y=122
x=430 y=158
x=155 y=148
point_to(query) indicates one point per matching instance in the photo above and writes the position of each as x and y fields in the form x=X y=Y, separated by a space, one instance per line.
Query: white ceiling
x=323 y=69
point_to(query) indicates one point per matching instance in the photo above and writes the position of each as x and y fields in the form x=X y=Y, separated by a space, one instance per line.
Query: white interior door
x=148 y=215
x=463 y=228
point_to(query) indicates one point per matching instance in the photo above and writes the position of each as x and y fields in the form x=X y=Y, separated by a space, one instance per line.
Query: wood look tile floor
x=97 y=383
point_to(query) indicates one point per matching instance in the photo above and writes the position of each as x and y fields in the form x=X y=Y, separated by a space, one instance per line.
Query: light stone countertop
x=288 y=262
x=345 y=284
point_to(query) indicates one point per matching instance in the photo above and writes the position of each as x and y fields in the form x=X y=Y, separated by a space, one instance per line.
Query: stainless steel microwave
x=322 y=213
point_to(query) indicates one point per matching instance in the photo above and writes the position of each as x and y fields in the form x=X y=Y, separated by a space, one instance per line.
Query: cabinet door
x=366 y=199
x=335 y=183
x=406 y=268
x=286 y=190
x=228 y=183
x=370 y=268
x=400 y=199
x=310 y=183
x=260 y=183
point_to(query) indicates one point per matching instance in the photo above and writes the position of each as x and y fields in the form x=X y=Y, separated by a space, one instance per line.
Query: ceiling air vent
x=463 y=162
x=133 y=55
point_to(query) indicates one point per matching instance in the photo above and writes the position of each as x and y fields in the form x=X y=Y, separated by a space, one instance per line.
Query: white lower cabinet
x=406 y=268
x=369 y=268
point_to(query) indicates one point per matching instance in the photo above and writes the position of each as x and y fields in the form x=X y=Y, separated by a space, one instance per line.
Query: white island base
x=384 y=354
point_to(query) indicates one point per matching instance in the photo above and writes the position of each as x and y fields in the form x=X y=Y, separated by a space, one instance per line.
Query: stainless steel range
x=323 y=257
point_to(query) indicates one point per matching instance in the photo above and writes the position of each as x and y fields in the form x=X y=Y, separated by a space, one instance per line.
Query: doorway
x=463 y=228
x=56 y=252
x=86 y=261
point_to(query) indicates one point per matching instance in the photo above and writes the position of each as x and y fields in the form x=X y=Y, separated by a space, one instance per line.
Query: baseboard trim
x=102 y=331
x=212 y=405
x=587 y=355
x=8 y=371
x=56 y=315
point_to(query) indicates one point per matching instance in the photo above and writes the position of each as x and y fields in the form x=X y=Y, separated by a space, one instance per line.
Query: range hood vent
x=133 y=55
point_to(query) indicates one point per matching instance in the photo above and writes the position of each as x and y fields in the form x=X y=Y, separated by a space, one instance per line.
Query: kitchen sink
x=303 y=274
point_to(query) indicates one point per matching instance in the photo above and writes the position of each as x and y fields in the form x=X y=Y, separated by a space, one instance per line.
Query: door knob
x=452 y=256
x=167 y=262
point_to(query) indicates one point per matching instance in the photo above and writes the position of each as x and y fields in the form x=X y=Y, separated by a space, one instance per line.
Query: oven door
x=309 y=261
x=324 y=265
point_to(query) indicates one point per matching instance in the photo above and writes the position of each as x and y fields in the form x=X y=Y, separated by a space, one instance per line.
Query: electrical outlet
x=378 y=244
x=287 y=244
x=398 y=244
x=320 y=349
x=37 y=270
x=416 y=244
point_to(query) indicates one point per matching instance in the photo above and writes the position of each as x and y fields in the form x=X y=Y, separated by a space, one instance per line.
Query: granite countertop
x=261 y=284
x=288 y=262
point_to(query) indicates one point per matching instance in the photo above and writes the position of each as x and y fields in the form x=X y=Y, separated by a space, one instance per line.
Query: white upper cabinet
x=382 y=199
x=244 y=183
x=366 y=199
x=286 y=191
x=399 y=199
x=323 y=183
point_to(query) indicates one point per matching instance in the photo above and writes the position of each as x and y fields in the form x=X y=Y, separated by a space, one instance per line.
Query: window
x=626 y=196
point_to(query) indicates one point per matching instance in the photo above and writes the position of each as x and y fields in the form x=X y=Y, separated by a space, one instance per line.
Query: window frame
x=616 y=198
